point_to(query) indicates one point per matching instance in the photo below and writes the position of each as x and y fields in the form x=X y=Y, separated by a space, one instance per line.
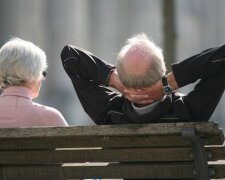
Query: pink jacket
x=18 y=110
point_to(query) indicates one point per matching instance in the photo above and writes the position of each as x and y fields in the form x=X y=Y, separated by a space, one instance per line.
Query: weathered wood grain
x=105 y=155
x=215 y=153
x=112 y=130
x=102 y=141
x=149 y=171
x=218 y=171
x=150 y=151
x=95 y=155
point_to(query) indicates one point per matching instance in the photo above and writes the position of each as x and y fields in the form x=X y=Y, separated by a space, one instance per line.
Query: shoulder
x=53 y=116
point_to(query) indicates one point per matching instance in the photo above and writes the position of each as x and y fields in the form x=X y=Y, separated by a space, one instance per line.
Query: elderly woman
x=22 y=69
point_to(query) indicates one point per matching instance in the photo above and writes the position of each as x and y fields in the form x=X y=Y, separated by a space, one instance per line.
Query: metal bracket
x=200 y=157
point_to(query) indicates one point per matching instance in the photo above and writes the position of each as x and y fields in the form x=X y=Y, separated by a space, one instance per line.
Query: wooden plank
x=94 y=155
x=221 y=134
x=102 y=141
x=112 y=130
x=44 y=172
x=105 y=155
x=218 y=171
x=149 y=171
x=215 y=153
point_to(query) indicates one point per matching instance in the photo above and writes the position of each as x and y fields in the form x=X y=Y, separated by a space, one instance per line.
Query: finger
x=147 y=91
x=133 y=92
x=136 y=98
x=140 y=101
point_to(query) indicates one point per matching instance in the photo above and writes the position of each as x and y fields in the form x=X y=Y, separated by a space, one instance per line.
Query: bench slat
x=151 y=151
x=219 y=170
x=94 y=155
x=152 y=171
x=112 y=130
x=103 y=155
x=217 y=152
x=102 y=141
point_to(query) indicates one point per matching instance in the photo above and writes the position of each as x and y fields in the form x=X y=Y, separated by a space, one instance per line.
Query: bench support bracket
x=200 y=158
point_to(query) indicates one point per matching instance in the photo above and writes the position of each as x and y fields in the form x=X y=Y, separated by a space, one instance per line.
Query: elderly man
x=147 y=94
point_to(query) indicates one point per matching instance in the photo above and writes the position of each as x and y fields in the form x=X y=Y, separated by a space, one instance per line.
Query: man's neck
x=142 y=105
x=144 y=108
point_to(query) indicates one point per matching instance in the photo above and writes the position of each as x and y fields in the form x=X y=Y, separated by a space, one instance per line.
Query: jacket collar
x=18 y=91
x=152 y=116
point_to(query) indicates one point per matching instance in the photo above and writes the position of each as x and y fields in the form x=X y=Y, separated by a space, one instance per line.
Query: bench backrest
x=151 y=151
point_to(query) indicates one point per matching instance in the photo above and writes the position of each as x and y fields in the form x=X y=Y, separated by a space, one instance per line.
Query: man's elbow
x=66 y=52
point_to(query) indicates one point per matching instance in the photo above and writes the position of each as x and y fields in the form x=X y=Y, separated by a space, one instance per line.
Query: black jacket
x=90 y=75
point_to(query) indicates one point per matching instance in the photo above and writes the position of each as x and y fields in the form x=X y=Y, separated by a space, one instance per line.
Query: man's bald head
x=135 y=61
x=140 y=63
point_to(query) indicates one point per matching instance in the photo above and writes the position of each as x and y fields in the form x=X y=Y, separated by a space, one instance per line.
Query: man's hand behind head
x=146 y=95
x=142 y=96
x=135 y=96
x=152 y=93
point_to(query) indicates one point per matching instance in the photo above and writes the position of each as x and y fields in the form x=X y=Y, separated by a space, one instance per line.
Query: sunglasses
x=44 y=73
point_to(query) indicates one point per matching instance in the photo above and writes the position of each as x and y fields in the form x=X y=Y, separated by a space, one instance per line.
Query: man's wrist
x=172 y=81
x=167 y=89
x=110 y=78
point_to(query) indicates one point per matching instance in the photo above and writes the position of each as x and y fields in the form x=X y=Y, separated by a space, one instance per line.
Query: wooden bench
x=149 y=151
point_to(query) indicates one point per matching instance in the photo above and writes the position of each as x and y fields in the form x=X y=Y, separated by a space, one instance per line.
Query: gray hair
x=20 y=62
x=156 y=66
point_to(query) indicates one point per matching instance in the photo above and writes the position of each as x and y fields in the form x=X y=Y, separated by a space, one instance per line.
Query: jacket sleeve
x=209 y=68
x=85 y=65
x=90 y=76
x=206 y=64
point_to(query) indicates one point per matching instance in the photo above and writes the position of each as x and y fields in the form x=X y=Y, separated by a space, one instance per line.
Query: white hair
x=156 y=68
x=20 y=62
